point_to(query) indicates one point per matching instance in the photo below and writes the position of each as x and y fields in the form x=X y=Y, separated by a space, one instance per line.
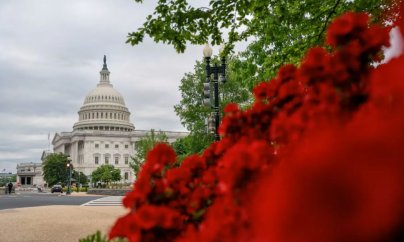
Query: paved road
x=41 y=199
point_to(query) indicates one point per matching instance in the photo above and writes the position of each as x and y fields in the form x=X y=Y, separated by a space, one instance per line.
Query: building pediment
x=56 y=137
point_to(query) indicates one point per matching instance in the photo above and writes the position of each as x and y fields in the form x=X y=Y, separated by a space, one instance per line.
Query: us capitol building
x=103 y=133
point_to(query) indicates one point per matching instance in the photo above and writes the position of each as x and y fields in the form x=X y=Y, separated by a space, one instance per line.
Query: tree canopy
x=80 y=177
x=278 y=31
x=4 y=180
x=55 y=169
x=194 y=114
x=106 y=173
x=178 y=22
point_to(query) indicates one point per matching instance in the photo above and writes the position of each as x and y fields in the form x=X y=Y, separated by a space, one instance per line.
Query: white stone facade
x=104 y=133
x=30 y=175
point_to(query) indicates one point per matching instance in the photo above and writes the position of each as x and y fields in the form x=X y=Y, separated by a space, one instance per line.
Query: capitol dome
x=104 y=108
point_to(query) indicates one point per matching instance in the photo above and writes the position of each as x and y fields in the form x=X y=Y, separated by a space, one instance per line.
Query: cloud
x=50 y=57
x=397 y=47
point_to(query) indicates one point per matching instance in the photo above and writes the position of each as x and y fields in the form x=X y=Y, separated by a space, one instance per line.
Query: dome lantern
x=104 y=73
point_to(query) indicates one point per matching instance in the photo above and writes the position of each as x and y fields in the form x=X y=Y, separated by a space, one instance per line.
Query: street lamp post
x=78 y=182
x=216 y=71
x=69 y=184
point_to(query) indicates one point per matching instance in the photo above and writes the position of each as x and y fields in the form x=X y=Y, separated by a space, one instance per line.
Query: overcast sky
x=50 y=57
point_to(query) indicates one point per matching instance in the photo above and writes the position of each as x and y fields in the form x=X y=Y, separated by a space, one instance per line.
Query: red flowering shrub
x=335 y=188
x=318 y=157
x=166 y=199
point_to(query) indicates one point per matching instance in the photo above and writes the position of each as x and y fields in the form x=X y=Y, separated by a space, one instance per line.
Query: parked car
x=57 y=188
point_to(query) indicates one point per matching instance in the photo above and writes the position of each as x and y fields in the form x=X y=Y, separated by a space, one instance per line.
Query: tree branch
x=327 y=20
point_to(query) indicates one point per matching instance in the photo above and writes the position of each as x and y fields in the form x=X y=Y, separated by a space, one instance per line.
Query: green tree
x=278 y=31
x=55 y=169
x=194 y=114
x=194 y=143
x=80 y=177
x=4 y=180
x=106 y=173
x=143 y=146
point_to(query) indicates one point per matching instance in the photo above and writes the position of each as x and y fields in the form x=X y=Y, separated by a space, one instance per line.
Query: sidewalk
x=56 y=223
x=82 y=194
x=79 y=194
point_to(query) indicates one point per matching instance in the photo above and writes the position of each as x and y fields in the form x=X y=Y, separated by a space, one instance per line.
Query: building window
x=106 y=145
x=97 y=145
x=126 y=160
x=116 y=160
x=126 y=175
x=96 y=160
x=126 y=146
x=106 y=160
x=116 y=146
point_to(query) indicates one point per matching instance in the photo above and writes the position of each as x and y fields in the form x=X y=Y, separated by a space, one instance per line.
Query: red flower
x=149 y=216
x=287 y=73
x=125 y=228
x=314 y=67
x=231 y=108
x=193 y=163
x=317 y=157
x=160 y=156
x=209 y=177
x=260 y=91
x=340 y=184
x=345 y=28
x=290 y=89
x=176 y=175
